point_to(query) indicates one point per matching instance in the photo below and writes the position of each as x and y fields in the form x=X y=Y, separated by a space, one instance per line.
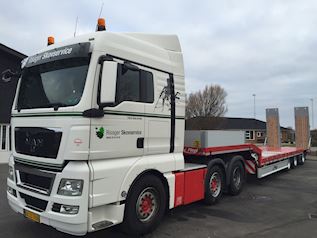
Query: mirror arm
x=104 y=58
x=93 y=113
x=130 y=66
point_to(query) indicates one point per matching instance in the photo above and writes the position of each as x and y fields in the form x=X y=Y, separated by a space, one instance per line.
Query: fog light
x=12 y=191
x=68 y=209
x=65 y=209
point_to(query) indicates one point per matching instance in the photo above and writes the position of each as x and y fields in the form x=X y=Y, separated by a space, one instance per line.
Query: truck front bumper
x=21 y=199
x=50 y=219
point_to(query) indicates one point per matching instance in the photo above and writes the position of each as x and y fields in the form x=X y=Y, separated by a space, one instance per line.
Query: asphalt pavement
x=281 y=205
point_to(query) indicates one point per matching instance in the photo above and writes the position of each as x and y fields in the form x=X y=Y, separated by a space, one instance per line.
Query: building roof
x=12 y=51
x=225 y=123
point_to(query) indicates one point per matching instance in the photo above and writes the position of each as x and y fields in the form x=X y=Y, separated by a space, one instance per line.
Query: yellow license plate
x=32 y=216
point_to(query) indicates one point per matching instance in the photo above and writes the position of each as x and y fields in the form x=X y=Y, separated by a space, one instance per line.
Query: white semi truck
x=98 y=137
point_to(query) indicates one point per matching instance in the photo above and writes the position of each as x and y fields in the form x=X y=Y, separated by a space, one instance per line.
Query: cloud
x=266 y=47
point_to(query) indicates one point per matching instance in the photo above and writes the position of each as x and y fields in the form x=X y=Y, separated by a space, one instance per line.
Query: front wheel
x=145 y=206
x=214 y=185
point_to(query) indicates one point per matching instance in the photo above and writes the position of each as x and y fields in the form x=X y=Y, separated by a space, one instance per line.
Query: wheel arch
x=157 y=174
x=131 y=221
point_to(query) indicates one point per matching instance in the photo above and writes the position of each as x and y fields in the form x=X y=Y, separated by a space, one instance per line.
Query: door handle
x=140 y=143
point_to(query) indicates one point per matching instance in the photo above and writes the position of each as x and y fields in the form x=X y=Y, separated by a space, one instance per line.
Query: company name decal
x=65 y=52
x=49 y=55
x=114 y=134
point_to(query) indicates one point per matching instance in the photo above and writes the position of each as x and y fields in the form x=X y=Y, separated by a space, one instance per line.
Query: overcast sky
x=267 y=48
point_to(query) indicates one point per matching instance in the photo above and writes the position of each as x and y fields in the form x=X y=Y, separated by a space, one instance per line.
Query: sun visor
x=65 y=52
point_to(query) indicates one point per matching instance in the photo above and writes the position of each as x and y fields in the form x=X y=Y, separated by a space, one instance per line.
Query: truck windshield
x=54 y=84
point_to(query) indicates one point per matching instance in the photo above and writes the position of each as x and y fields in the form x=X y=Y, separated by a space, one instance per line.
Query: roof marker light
x=101 y=25
x=50 y=40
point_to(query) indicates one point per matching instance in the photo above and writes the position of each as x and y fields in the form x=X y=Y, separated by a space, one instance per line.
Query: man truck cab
x=93 y=117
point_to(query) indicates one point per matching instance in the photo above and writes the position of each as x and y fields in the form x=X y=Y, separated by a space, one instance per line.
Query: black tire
x=214 y=185
x=145 y=206
x=294 y=162
x=301 y=159
x=237 y=178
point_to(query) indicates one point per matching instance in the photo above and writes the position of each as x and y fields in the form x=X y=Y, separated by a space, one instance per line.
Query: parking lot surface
x=281 y=205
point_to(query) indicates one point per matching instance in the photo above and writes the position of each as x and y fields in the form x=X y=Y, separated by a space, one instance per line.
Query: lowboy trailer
x=263 y=160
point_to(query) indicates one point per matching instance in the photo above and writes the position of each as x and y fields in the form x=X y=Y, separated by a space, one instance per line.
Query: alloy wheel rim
x=237 y=177
x=215 y=184
x=147 y=204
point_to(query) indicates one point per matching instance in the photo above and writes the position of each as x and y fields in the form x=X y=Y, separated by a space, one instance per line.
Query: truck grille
x=34 y=203
x=34 y=179
x=37 y=141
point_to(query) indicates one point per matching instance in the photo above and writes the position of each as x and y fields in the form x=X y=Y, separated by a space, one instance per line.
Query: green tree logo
x=100 y=132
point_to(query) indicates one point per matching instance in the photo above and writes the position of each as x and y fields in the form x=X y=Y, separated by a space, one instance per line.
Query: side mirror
x=108 y=83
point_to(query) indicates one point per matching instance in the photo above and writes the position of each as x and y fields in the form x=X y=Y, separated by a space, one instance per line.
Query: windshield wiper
x=55 y=105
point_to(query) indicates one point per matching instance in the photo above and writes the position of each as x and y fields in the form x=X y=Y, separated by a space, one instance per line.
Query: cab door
x=158 y=121
x=120 y=132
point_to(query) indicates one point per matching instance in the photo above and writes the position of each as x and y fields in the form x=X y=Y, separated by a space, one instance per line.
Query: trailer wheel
x=214 y=185
x=294 y=162
x=145 y=206
x=236 y=178
x=301 y=159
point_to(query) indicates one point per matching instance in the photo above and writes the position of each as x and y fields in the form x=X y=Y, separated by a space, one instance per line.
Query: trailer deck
x=270 y=155
x=266 y=155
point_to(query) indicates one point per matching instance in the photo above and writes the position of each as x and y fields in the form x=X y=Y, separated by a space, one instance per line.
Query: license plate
x=32 y=216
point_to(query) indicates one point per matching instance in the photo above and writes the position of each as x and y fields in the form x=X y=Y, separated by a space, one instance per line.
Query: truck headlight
x=11 y=173
x=70 y=187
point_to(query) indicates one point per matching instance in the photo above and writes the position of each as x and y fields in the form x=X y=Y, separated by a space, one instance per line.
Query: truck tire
x=237 y=178
x=294 y=162
x=214 y=185
x=301 y=159
x=145 y=206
